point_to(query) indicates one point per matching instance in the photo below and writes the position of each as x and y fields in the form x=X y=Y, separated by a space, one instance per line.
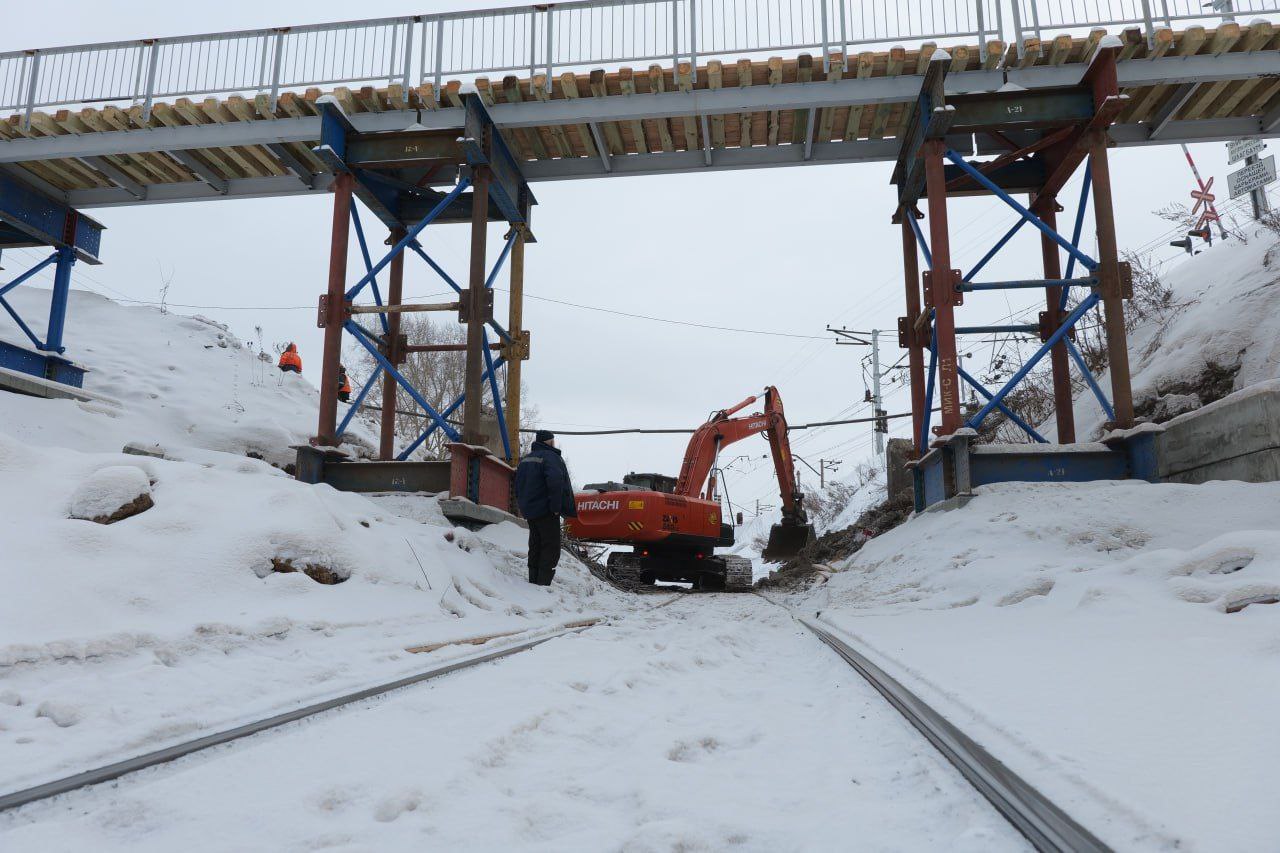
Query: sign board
x=1255 y=176
x=1242 y=148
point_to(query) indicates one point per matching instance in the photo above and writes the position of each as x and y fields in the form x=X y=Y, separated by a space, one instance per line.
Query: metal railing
x=1032 y=17
x=543 y=39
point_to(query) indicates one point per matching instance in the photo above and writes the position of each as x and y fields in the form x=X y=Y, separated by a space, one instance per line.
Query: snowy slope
x=184 y=383
x=1228 y=315
x=1113 y=642
x=118 y=638
x=1099 y=639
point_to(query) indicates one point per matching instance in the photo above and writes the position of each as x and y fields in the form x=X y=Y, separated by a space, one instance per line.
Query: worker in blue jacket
x=544 y=495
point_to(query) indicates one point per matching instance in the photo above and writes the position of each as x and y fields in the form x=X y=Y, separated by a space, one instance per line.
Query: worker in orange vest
x=344 y=385
x=290 y=361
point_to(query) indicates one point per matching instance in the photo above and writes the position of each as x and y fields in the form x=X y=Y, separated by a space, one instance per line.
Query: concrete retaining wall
x=1236 y=438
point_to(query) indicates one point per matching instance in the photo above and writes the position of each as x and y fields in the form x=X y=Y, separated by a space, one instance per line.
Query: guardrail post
x=844 y=35
x=31 y=88
x=1035 y=20
x=439 y=53
x=693 y=40
x=826 y=40
x=152 y=64
x=276 y=60
x=1148 y=24
x=675 y=39
x=550 y=24
x=408 y=52
x=1017 y=26
x=980 y=8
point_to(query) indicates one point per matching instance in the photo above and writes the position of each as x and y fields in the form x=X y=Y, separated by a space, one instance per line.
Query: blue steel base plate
x=44 y=365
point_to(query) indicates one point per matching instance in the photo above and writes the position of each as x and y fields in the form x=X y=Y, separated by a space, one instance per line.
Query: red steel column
x=474 y=385
x=335 y=315
x=915 y=354
x=1062 y=402
x=943 y=287
x=395 y=293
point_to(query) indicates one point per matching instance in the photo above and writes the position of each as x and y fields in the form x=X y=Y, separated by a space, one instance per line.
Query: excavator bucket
x=786 y=541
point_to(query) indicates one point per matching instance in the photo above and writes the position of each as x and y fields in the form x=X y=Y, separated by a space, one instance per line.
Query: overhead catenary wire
x=646 y=430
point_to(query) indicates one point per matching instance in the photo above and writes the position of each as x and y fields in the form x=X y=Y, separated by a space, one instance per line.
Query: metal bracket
x=396 y=349
x=322 y=311
x=956 y=297
x=464 y=308
x=518 y=349
x=1126 y=280
x=1048 y=327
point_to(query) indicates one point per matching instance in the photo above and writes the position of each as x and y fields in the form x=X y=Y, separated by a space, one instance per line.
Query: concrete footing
x=1236 y=438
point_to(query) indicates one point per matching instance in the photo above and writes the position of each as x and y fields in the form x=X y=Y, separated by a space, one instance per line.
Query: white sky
x=784 y=250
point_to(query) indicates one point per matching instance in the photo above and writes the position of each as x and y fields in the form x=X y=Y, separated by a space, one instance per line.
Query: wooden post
x=515 y=326
x=1102 y=77
x=915 y=353
x=395 y=294
x=474 y=384
x=1062 y=401
x=335 y=314
x=943 y=287
x=1109 y=283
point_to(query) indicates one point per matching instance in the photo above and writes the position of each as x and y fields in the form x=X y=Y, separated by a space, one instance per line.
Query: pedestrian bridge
x=606 y=87
x=453 y=117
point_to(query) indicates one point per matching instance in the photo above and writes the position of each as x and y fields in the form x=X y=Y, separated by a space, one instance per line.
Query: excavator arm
x=721 y=430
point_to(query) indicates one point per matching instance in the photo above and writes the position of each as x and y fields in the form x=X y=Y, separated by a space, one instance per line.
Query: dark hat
x=544 y=435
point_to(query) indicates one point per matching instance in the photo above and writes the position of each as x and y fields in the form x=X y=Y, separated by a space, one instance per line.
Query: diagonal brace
x=1088 y=262
x=1074 y=317
x=355 y=407
x=1008 y=413
x=409 y=237
x=362 y=338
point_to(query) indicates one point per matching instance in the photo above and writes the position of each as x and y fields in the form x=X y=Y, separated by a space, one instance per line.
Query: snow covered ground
x=713 y=723
x=117 y=639
x=1108 y=641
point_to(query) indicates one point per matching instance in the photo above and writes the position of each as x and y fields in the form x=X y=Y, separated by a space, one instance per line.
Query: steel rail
x=1045 y=825
x=171 y=753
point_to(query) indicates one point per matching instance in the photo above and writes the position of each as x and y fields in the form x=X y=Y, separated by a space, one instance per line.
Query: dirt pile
x=837 y=545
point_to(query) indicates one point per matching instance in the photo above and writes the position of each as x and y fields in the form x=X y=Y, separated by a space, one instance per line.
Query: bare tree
x=438 y=376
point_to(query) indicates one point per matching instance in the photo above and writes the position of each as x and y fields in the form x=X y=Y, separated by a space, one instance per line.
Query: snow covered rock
x=112 y=494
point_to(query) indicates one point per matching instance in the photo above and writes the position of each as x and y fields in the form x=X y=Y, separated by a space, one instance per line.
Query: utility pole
x=876 y=402
x=880 y=424
x=825 y=465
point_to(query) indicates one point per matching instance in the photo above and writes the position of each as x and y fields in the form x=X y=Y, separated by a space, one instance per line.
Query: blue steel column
x=58 y=304
x=395 y=293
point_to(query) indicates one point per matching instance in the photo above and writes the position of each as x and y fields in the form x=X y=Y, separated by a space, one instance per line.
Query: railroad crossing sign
x=1203 y=196
x=1253 y=176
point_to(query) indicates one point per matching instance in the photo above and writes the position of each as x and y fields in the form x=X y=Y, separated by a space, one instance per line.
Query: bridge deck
x=1195 y=84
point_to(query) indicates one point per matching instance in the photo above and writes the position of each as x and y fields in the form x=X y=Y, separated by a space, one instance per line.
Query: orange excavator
x=674 y=525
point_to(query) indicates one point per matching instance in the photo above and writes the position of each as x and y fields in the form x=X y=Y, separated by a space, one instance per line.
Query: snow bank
x=1113 y=641
x=240 y=591
x=185 y=383
x=1228 y=320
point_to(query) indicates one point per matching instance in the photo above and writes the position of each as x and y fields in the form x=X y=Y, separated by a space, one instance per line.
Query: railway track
x=117 y=769
x=1044 y=825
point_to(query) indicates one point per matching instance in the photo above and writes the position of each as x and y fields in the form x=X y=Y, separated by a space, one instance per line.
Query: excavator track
x=738 y=574
x=623 y=571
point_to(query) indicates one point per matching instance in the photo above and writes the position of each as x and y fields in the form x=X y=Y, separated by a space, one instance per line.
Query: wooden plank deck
x=1174 y=101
